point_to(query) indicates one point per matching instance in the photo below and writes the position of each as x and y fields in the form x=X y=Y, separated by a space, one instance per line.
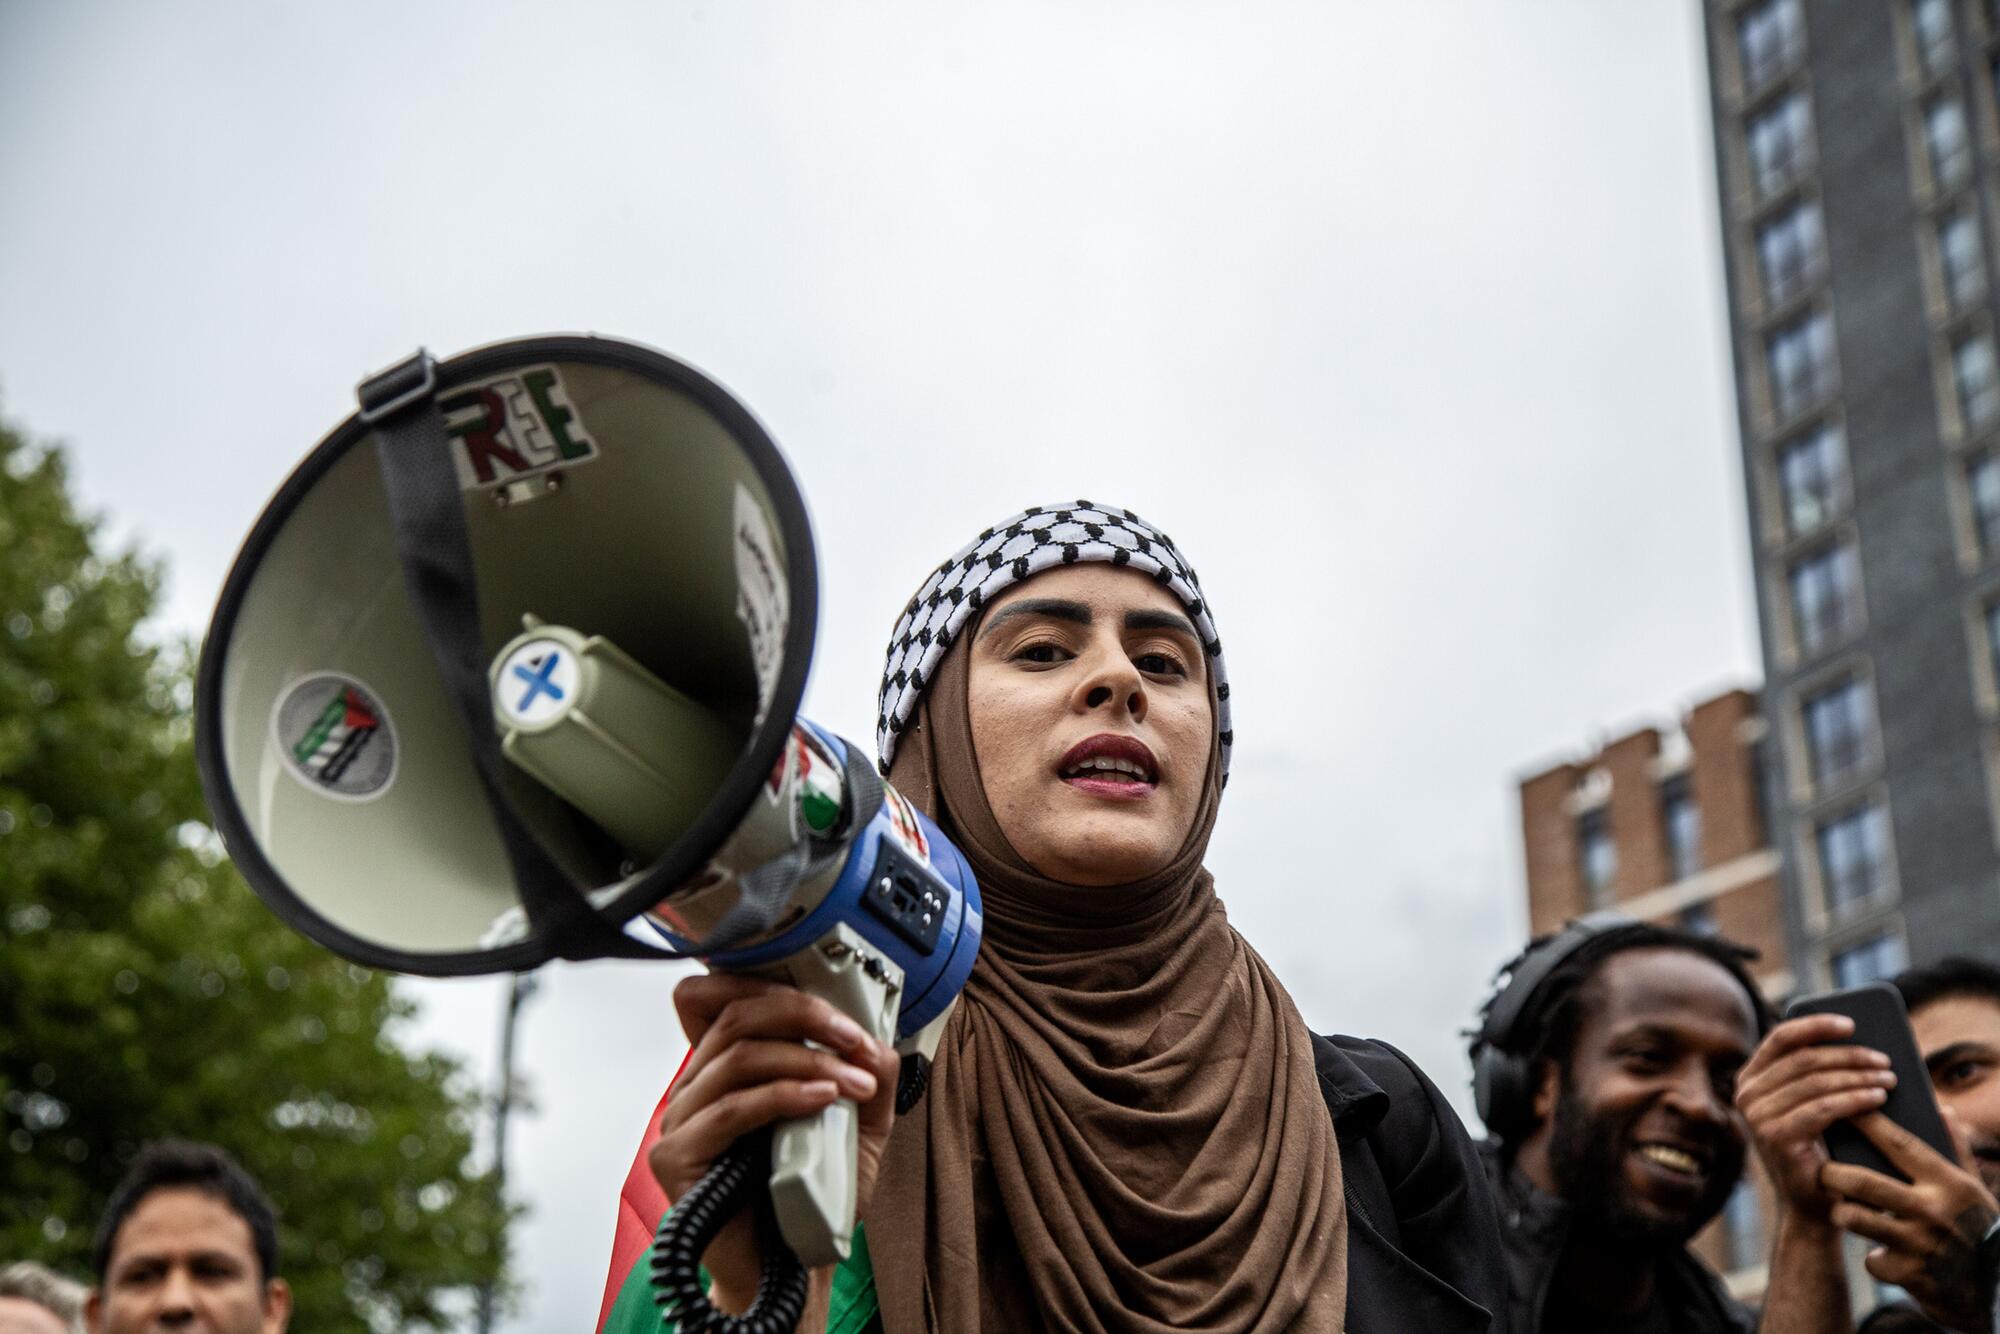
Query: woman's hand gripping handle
x=750 y=1067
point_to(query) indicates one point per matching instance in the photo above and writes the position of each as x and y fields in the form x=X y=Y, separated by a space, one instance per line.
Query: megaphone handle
x=814 y=1158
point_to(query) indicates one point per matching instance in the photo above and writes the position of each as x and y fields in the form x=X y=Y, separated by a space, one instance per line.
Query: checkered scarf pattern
x=1017 y=549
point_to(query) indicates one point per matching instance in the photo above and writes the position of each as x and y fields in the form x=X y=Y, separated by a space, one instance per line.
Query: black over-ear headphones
x=1503 y=1076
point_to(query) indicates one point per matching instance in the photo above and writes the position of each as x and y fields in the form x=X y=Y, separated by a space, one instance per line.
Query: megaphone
x=509 y=670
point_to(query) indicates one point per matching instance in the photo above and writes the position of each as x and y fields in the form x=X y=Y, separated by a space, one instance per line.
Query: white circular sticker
x=335 y=737
x=536 y=683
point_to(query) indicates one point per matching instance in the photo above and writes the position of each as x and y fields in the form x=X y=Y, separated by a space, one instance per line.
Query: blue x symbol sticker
x=538 y=681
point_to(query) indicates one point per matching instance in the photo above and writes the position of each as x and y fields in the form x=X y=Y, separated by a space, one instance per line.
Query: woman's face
x=1090 y=717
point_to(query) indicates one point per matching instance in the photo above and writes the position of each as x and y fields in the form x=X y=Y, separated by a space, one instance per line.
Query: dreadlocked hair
x=1555 y=1013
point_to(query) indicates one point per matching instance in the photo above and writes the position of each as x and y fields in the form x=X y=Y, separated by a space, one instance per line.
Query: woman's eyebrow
x=1056 y=609
x=1149 y=619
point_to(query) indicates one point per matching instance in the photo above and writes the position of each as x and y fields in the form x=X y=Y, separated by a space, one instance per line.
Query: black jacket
x=1423 y=1246
x=1535 y=1228
x=1898 y=1318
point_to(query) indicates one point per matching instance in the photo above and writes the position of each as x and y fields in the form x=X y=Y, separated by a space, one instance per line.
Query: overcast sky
x=1405 y=320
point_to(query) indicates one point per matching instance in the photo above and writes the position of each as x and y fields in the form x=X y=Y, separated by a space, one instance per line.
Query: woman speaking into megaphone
x=1128 y=1124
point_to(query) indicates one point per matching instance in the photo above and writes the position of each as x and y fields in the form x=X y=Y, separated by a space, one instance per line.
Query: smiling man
x=1622 y=1139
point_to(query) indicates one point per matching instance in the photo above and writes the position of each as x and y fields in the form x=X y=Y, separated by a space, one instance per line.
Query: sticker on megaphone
x=335 y=737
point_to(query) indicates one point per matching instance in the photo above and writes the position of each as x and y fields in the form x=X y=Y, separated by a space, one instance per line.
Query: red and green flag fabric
x=628 y=1291
x=628 y=1296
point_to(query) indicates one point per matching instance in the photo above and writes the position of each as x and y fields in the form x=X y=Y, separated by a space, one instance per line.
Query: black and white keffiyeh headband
x=1004 y=555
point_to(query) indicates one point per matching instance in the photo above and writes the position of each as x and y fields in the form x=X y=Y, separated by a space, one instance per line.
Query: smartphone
x=1881 y=1022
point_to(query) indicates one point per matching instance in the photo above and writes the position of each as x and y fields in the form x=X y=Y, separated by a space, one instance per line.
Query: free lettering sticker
x=514 y=426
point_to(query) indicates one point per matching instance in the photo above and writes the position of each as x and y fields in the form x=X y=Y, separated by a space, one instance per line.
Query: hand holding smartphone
x=1880 y=1022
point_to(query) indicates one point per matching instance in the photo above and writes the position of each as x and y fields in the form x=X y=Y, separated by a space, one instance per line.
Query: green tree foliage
x=144 y=991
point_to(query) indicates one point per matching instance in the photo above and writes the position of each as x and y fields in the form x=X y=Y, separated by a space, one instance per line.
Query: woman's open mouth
x=1109 y=765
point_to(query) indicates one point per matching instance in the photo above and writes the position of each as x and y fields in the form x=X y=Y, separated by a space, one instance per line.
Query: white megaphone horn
x=509 y=670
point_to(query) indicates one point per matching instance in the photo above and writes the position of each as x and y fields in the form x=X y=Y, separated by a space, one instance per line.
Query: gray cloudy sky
x=1404 y=319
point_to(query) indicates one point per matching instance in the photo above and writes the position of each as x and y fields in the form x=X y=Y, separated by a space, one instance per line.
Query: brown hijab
x=1124 y=1129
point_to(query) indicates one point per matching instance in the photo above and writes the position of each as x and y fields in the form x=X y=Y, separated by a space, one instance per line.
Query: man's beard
x=1587 y=1157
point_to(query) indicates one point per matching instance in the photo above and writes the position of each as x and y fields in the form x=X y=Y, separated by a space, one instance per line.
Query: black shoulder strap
x=427 y=510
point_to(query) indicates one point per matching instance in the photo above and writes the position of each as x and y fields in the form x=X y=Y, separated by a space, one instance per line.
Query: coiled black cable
x=912 y=1078
x=735 y=1181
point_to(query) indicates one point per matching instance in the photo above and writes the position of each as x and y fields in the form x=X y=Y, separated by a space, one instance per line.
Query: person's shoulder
x=1373 y=1055
x=1368 y=1081
x=1411 y=1174
x=1701 y=1287
x=1380 y=1095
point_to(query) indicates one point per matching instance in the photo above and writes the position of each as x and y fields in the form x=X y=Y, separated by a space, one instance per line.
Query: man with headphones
x=1604 y=1067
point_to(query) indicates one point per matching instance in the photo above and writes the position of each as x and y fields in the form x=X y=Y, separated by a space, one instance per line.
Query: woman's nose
x=1117 y=685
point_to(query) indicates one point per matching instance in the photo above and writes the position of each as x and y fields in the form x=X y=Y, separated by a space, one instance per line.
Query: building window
x=1743 y=1219
x=1791 y=251
x=1826 y=597
x=1801 y=363
x=1597 y=855
x=1982 y=483
x=1977 y=377
x=1853 y=858
x=1947 y=145
x=1682 y=819
x=1873 y=959
x=1930 y=24
x=1837 y=720
x=1770 y=38
x=1812 y=479
x=1960 y=261
x=1780 y=144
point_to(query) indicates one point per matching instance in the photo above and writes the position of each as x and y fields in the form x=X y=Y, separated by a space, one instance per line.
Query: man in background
x=37 y=1300
x=1607 y=1066
x=1938 y=1235
x=189 y=1241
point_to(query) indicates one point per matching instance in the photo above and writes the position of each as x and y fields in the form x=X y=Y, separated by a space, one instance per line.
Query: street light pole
x=520 y=987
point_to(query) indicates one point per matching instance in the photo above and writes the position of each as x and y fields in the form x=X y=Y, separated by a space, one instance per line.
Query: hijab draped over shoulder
x=1124 y=1129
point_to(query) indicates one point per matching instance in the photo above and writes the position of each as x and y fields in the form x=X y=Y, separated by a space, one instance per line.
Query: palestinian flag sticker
x=335 y=737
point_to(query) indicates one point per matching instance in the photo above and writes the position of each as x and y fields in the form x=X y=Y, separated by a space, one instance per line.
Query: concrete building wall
x=1897 y=401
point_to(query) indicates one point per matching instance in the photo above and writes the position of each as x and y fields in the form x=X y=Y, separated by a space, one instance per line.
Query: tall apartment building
x=1858 y=156
x=1672 y=829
